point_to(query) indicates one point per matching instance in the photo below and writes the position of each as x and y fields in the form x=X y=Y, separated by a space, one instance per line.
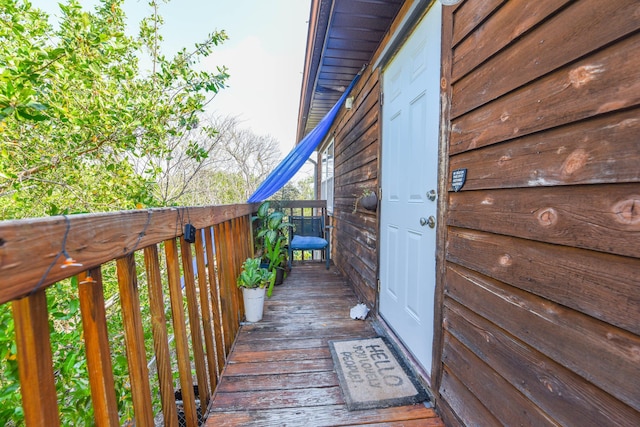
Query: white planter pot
x=253 y=303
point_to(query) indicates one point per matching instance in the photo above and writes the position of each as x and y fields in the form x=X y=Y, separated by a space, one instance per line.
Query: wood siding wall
x=541 y=278
x=356 y=149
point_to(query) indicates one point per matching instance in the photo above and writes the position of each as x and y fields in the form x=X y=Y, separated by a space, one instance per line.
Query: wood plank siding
x=538 y=284
x=540 y=278
x=280 y=371
x=356 y=147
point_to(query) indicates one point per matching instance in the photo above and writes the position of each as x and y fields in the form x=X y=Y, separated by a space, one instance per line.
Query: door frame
x=403 y=30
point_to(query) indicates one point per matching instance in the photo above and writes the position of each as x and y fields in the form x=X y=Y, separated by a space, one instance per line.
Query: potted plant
x=275 y=258
x=271 y=238
x=368 y=199
x=254 y=281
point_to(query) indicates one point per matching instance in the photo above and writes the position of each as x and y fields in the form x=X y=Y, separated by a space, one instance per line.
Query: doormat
x=372 y=375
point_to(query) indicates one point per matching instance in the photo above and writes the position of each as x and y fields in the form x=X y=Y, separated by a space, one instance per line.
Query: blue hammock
x=300 y=153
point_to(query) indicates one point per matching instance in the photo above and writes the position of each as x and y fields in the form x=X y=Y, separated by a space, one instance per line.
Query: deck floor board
x=280 y=372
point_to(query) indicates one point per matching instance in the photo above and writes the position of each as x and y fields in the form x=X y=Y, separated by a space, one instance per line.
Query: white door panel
x=410 y=117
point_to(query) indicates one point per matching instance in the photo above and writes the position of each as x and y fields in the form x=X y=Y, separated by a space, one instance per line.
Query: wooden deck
x=280 y=371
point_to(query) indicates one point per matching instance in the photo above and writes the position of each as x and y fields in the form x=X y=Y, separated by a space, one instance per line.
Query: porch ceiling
x=343 y=35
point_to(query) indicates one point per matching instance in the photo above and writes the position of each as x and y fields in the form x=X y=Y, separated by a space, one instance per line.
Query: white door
x=410 y=114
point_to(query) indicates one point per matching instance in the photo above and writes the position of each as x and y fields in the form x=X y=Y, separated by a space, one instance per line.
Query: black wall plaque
x=458 y=177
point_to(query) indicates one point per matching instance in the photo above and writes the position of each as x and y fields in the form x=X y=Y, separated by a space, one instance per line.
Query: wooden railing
x=300 y=207
x=36 y=253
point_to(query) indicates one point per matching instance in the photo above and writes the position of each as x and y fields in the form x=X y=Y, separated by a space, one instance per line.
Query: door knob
x=431 y=222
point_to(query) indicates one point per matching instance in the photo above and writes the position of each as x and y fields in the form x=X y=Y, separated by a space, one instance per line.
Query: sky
x=264 y=54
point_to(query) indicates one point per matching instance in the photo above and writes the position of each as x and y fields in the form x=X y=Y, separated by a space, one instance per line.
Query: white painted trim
x=418 y=9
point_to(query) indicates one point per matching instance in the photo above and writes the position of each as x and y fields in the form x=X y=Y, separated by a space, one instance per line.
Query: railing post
x=39 y=400
x=94 y=326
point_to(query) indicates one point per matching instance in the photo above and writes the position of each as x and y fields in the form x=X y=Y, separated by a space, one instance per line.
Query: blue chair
x=309 y=234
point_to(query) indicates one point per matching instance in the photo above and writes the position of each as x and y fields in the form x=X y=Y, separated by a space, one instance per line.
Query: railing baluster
x=238 y=258
x=241 y=253
x=96 y=339
x=237 y=255
x=35 y=365
x=225 y=269
x=160 y=336
x=243 y=233
x=134 y=340
x=215 y=300
x=220 y=245
x=206 y=308
x=249 y=235
x=194 y=323
x=180 y=332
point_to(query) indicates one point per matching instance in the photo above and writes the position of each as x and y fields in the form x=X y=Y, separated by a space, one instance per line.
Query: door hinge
x=378 y=286
x=381 y=98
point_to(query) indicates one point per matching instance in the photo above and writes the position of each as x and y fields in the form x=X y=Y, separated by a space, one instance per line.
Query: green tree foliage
x=296 y=190
x=77 y=115
x=76 y=111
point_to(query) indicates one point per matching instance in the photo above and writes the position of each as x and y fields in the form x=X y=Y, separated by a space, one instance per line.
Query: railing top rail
x=298 y=203
x=32 y=251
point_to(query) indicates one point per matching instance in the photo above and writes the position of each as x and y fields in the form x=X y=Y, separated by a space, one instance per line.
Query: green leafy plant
x=271 y=236
x=10 y=404
x=253 y=276
x=275 y=254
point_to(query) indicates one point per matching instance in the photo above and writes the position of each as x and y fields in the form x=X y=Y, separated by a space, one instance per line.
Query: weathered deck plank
x=280 y=371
